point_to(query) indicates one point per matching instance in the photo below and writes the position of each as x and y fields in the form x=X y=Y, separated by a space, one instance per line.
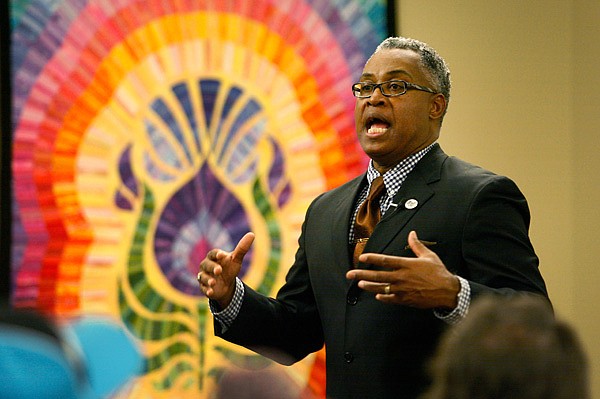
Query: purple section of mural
x=202 y=215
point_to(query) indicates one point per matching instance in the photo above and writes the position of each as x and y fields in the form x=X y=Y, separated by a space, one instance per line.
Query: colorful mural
x=149 y=131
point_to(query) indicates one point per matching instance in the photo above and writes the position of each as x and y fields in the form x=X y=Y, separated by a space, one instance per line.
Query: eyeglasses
x=391 y=88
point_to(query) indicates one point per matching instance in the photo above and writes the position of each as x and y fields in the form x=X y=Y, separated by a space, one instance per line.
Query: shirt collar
x=393 y=178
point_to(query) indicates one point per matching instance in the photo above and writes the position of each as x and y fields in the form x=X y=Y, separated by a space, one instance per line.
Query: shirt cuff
x=460 y=311
x=226 y=316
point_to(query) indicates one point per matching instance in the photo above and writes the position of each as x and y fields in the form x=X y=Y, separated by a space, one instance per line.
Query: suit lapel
x=409 y=200
x=342 y=212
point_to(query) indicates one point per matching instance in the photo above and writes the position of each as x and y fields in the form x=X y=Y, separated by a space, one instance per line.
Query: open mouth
x=377 y=125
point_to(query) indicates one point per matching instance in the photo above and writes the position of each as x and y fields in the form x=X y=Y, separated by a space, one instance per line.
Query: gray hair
x=434 y=66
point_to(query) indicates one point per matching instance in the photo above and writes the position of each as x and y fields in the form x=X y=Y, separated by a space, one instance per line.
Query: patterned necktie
x=367 y=217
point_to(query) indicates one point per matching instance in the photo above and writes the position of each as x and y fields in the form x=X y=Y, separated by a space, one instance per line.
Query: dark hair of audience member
x=510 y=347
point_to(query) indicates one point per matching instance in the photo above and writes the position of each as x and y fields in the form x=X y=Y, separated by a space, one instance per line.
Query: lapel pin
x=411 y=203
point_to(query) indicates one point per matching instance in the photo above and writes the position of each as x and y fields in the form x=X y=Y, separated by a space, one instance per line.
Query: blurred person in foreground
x=510 y=348
x=386 y=261
x=85 y=358
x=270 y=383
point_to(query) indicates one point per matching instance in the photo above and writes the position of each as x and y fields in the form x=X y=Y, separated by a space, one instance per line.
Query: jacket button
x=348 y=357
x=351 y=300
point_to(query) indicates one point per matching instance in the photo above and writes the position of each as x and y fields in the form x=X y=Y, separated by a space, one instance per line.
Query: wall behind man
x=526 y=103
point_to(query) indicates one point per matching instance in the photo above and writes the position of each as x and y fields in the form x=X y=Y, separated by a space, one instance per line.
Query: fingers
x=203 y=281
x=394 y=262
x=214 y=257
x=418 y=248
x=378 y=288
x=242 y=247
x=210 y=265
x=387 y=261
x=209 y=271
x=369 y=275
x=219 y=268
x=390 y=262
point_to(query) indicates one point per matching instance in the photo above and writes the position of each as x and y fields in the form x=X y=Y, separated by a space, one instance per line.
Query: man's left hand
x=421 y=282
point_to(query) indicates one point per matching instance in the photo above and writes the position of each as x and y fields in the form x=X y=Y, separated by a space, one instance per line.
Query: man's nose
x=377 y=96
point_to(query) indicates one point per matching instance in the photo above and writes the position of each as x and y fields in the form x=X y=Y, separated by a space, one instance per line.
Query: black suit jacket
x=479 y=223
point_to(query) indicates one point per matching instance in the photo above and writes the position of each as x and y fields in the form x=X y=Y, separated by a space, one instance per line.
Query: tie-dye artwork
x=146 y=132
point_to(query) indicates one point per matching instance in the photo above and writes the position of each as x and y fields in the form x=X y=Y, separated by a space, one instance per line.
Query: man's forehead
x=392 y=62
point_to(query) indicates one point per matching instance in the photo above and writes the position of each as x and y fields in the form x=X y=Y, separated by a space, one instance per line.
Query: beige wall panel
x=526 y=103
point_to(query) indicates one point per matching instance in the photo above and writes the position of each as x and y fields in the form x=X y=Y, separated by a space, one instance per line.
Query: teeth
x=377 y=130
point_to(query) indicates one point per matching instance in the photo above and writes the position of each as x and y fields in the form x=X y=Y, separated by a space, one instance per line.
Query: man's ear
x=438 y=106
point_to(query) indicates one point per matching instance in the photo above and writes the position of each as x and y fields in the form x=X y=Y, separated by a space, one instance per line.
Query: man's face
x=391 y=128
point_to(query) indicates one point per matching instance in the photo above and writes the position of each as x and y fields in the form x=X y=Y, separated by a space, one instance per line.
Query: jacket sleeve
x=496 y=248
x=286 y=328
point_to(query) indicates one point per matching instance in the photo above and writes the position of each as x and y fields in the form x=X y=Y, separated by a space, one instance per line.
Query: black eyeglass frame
x=407 y=86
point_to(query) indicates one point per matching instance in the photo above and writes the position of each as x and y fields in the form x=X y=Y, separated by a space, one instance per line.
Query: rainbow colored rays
x=148 y=131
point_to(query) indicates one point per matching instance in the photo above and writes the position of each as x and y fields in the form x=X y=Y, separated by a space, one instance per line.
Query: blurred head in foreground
x=87 y=358
x=510 y=347
x=270 y=383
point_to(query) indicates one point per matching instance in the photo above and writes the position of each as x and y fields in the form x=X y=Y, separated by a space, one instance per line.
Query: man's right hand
x=219 y=269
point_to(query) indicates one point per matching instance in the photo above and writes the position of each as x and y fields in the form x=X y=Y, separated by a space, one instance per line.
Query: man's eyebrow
x=392 y=73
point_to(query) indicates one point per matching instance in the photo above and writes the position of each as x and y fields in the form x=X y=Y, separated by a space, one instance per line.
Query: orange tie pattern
x=367 y=217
